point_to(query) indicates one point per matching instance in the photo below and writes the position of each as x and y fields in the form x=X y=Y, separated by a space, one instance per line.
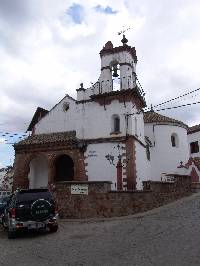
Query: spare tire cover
x=41 y=209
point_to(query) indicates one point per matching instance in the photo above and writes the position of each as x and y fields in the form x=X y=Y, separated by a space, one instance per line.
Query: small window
x=136 y=130
x=174 y=140
x=148 y=152
x=115 y=124
x=194 y=147
x=65 y=106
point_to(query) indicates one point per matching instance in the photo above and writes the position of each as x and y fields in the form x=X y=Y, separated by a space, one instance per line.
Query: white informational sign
x=79 y=189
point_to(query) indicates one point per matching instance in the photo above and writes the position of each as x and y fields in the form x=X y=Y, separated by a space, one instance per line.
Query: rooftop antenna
x=124 y=40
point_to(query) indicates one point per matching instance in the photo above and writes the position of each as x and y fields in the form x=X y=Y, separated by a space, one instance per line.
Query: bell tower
x=118 y=63
x=118 y=73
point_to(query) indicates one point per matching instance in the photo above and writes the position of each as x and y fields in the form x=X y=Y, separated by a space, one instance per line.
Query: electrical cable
x=175 y=107
x=177 y=97
x=136 y=77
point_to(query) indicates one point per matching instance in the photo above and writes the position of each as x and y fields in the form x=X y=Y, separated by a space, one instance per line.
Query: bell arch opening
x=64 y=168
x=38 y=174
x=115 y=69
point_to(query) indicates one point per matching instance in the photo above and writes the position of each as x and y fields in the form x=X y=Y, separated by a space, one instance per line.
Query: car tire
x=4 y=224
x=11 y=234
x=53 y=228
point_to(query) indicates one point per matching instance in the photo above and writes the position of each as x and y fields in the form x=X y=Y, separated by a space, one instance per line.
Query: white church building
x=103 y=134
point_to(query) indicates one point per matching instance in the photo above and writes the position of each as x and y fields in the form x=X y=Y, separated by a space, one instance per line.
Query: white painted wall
x=192 y=138
x=137 y=123
x=143 y=166
x=99 y=168
x=89 y=120
x=58 y=120
x=38 y=175
x=164 y=157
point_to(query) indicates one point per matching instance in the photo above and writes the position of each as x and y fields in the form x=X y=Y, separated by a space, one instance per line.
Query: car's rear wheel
x=11 y=234
x=53 y=228
x=4 y=223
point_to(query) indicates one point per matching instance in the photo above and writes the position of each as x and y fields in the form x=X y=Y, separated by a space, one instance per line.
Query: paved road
x=169 y=235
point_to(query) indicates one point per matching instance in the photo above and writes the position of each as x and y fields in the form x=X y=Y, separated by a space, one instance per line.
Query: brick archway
x=64 y=166
x=79 y=166
x=23 y=159
x=22 y=168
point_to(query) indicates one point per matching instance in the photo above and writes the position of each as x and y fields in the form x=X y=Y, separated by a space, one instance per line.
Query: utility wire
x=136 y=77
x=176 y=98
x=174 y=107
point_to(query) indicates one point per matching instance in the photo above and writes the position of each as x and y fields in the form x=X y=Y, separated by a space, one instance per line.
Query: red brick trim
x=131 y=163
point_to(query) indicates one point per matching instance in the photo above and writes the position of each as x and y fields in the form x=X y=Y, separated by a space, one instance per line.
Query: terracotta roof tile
x=69 y=137
x=39 y=113
x=193 y=129
x=153 y=117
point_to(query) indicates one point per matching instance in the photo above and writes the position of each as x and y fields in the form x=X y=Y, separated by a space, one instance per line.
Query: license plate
x=36 y=226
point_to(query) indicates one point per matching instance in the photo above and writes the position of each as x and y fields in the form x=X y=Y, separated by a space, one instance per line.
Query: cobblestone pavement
x=169 y=235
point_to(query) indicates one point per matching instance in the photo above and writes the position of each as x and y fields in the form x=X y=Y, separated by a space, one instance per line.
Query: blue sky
x=6 y=146
x=76 y=11
x=6 y=155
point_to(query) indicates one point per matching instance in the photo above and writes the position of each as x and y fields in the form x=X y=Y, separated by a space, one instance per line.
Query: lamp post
x=119 y=165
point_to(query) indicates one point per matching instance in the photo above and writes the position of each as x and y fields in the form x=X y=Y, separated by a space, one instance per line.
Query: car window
x=29 y=197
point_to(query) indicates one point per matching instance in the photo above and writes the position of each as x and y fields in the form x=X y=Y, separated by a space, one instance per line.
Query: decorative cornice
x=129 y=95
x=114 y=50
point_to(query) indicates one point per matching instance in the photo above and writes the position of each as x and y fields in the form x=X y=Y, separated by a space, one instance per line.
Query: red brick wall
x=22 y=162
x=131 y=163
x=101 y=202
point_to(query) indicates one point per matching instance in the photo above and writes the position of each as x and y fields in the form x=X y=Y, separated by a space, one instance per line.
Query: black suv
x=30 y=209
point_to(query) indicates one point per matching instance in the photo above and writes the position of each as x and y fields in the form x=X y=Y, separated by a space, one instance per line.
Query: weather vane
x=124 y=40
x=123 y=30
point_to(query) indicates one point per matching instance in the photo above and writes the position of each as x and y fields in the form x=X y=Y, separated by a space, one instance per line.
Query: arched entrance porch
x=38 y=174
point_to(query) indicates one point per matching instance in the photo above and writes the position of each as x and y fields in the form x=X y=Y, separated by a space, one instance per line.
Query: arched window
x=115 y=124
x=136 y=130
x=174 y=140
x=115 y=76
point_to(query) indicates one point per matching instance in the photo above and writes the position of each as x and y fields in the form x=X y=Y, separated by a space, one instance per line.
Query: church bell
x=115 y=74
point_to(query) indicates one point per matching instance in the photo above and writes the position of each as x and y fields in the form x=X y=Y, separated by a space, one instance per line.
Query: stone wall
x=101 y=202
x=195 y=187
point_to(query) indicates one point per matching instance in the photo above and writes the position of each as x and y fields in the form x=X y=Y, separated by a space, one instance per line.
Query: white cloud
x=45 y=55
x=2 y=140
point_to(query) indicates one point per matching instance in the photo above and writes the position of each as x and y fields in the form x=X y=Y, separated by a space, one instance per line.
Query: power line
x=174 y=107
x=176 y=98
x=141 y=88
x=11 y=138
